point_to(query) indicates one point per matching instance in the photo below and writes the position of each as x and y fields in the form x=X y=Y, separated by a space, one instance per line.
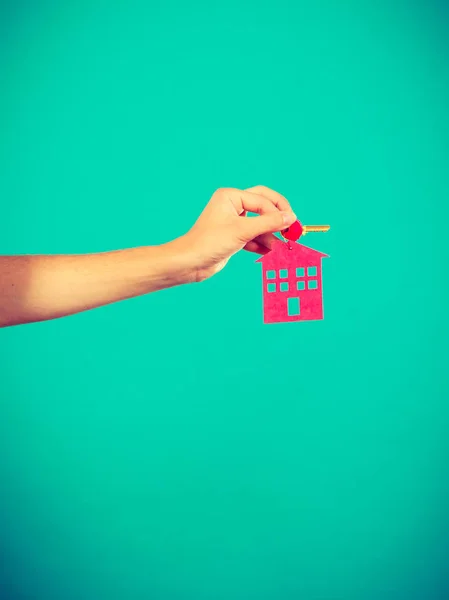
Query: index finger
x=244 y=201
x=275 y=197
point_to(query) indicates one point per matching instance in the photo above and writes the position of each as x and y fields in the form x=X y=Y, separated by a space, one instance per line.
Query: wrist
x=178 y=262
x=168 y=265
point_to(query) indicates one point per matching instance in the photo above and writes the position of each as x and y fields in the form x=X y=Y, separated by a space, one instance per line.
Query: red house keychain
x=292 y=283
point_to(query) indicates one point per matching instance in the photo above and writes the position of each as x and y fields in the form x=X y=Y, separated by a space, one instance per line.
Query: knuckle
x=222 y=191
x=258 y=189
x=257 y=207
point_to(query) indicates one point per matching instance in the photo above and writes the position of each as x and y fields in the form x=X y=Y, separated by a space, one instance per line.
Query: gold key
x=313 y=228
x=296 y=230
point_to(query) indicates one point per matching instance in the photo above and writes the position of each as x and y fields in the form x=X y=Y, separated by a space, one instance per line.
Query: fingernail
x=288 y=218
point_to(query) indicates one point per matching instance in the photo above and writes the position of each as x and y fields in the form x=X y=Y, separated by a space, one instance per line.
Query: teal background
x=172 y=446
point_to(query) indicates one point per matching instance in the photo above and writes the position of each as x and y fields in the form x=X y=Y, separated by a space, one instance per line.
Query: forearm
x=37 y=288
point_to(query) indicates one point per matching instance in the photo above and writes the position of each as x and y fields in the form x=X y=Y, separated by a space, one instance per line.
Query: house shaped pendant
x=292 y=283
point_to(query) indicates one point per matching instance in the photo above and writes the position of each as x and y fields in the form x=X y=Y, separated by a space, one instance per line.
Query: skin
x=39 y=288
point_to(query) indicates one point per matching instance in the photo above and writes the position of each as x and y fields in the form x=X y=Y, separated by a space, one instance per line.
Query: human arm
x=37 y=288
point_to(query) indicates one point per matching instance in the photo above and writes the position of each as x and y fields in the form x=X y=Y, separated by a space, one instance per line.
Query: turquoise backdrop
x=172 y=446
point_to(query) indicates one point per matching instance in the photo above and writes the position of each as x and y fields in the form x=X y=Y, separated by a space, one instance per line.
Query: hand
x=223 y=228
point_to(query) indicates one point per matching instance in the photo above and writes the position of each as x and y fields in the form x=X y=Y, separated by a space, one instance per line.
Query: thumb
x=266 y=223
